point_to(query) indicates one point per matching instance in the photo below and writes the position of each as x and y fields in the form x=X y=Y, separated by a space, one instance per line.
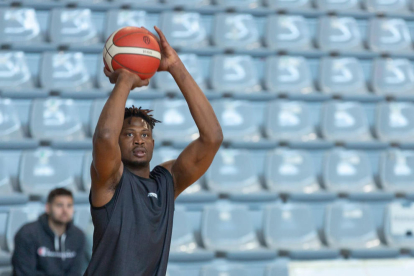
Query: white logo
x=46 y=252
x=153 y=195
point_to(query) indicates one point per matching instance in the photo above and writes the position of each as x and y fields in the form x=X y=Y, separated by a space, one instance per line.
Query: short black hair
x=58 y=192
x=142 y=113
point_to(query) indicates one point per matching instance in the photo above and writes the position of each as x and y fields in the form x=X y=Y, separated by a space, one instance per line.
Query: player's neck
x=140 y=171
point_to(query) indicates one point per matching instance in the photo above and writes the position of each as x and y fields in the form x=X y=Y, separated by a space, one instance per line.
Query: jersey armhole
x=169 y=175
x=118 y=187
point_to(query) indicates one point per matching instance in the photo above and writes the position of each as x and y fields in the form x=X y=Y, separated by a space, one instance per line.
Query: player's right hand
x=127 y=77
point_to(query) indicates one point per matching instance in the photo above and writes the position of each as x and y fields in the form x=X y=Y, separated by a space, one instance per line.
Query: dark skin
x=118 y=142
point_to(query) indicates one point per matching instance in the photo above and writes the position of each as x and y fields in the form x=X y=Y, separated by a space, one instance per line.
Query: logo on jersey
x=154 y=195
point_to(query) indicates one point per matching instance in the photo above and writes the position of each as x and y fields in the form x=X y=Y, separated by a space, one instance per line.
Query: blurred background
x=315 y=98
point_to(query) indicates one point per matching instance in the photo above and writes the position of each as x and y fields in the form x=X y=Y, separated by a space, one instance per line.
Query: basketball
x=132 y=48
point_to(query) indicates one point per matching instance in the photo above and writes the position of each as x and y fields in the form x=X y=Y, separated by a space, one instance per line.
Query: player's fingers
x=160 y=33
x=107 y=73
x=145 y=82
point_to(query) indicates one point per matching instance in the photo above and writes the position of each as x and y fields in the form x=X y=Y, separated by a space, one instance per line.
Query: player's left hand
x=169 y=56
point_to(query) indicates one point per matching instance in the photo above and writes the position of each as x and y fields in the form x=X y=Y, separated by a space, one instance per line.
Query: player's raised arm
x=195 y=159
x=106 y=167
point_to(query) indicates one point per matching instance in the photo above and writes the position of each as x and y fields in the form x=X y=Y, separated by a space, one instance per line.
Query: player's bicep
x=192 y=163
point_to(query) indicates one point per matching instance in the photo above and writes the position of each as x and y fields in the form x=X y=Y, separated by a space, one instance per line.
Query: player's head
x=136 y=140
x=59 y=206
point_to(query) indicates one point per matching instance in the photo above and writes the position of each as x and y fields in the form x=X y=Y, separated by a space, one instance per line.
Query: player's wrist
x=126 y=78
x=176 y=66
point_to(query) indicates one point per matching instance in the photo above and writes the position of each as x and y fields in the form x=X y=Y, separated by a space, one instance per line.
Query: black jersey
x=133 y=230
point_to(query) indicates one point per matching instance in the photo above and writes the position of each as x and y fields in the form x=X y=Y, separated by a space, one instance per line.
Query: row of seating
x=66 y=120
x=81 y=29
x=401 y=7
x=80 y=75
x=233 y=172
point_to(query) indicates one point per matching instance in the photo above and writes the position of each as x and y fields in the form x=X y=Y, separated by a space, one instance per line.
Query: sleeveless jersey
x=132 y=233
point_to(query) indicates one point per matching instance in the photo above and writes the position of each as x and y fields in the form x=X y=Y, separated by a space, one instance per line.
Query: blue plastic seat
x=289 y=5
x=396 y=171
x=398 y=228
x=14 y=71
x=389 y=35
x=10 y=125
x=220 y=270
x=399 y=6
x=333 y=5
x=117 y=19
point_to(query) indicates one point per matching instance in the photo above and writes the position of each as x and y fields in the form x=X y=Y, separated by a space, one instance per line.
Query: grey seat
x=233 y=171
x=396 y=171
x=165 y=81
x=236 y=74
x=56 y=119
x=291 y=227
x=183 y=244
x=70 y=26
x=14 y=71
x=220 y=270
x=117 y=19
x=389 y=35
x=16 y=218
x=287 y=4
x=351 y=226
x=395 y=122
x=289 y=120
x=65 y=70
x=289 y=32
x=389 y=6
x=184 y=29
x=277 y=269
x=290 y=171
x=339 y=34
x=236 y=123
x=236 y=31
x=86 y=171
x=392 y=76
x=20 y=25
x=333 y=5
x=398 y=227
x=229 y=229
x=191 y=3
x=341 y=76
x=288 y=74
x=10 y=125
x=348 y=171
x=177 y=124
x=344 y=121
x=43 y=170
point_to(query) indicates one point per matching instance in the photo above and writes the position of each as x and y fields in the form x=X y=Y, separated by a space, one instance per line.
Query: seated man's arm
x=24 y=255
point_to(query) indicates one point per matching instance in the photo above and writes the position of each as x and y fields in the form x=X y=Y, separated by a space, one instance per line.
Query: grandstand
x=316 y=102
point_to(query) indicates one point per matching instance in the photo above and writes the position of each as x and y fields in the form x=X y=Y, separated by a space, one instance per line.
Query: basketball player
x=132 y=207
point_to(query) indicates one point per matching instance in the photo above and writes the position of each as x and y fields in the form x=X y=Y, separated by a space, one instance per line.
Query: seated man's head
x=59 y=206
x=136 y=140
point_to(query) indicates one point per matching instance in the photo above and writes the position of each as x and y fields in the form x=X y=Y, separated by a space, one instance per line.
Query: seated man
x=52 y=245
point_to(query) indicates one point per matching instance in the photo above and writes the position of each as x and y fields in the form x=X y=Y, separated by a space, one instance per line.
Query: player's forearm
x=112 y=116
x=200 y=108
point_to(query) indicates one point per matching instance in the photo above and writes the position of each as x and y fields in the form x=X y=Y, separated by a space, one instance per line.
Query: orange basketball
x=133 y=48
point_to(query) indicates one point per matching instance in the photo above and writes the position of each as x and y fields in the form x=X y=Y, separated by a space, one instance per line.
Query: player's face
x=136 y=142
x=61 y=209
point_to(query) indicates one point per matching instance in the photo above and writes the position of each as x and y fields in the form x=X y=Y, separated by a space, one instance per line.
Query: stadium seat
x=277 y=269
x=236 y=30
x=191 y=3
x=16 y=218
x=290 y=171
x=184 y=29
x=291 y=227
x=389 y=35
x=5 y=182
x=395 y=122
x=339 y=34
x=10 y=125
x=236 y=122
x=288 y=32
x=183 y=244
x=239 y=3
x=20 y=25
x=396 y=171
x=392 y=77
x=177 y=122
x=341 y=76
x=398 y=225
x=65 y=70
x=348 y=171
x=288 y=74
x=344 y=121
x=43 y=170
x=288 y=4
x=237 y=74
x=233 y=171
x=229 y=229
x=227 y=270
x=165 y=81
x=86 y=171
x=14 y=71
x=56 y=119
x=333 y=5
x=351 y=226
x=398 y=6
x=69 y=26
x=117 y=19
x=289 y=120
